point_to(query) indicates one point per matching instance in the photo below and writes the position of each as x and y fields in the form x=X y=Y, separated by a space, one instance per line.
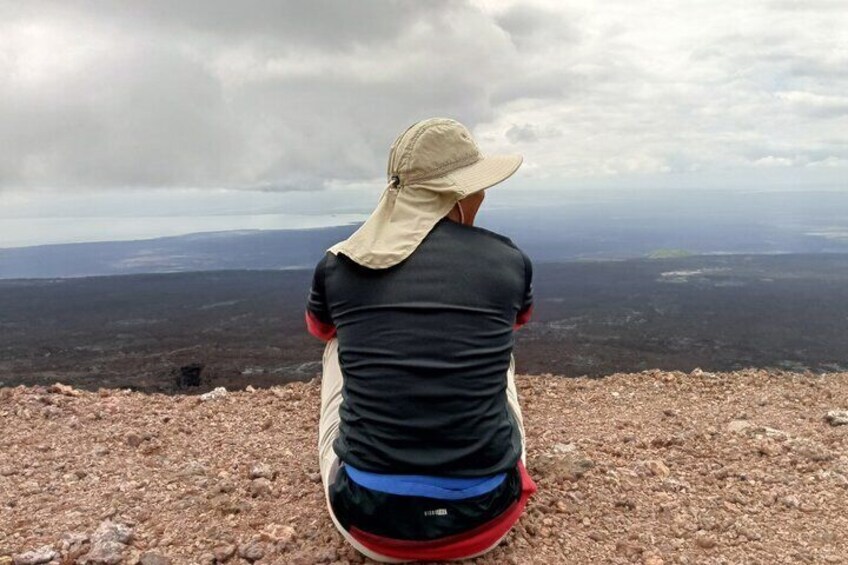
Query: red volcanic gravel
x=654 y=467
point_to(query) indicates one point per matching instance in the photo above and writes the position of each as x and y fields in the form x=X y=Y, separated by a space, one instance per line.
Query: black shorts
x=416 y=517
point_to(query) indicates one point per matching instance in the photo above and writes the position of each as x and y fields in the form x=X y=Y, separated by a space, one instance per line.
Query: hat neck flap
x=400 y=222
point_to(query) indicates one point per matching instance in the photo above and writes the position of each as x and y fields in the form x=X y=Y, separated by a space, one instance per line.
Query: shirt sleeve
x=319 y=322
x=527 y=300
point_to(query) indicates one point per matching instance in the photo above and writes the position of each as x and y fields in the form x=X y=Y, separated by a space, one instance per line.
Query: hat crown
x=432 y=148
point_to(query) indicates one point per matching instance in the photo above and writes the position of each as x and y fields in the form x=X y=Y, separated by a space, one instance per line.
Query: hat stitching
x=397 y=143
x=407 y=154
x=447 y=167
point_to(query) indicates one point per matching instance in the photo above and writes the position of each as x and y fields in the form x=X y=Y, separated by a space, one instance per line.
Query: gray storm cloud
x=296 y=95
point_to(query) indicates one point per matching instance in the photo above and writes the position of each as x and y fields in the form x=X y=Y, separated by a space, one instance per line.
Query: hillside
x=651 y=468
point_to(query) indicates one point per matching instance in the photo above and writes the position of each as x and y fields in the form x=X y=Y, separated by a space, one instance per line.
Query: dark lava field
x=163 y=332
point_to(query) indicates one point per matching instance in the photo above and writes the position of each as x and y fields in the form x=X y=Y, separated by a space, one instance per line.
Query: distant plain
x=623 y=282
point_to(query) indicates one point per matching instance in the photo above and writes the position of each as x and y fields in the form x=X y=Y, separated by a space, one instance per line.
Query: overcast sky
x=157 y=107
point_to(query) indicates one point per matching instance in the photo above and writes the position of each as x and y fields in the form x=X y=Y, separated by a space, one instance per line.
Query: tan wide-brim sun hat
x=432 y=165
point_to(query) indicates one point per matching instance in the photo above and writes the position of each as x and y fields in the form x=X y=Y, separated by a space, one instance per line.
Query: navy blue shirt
x=424 y=349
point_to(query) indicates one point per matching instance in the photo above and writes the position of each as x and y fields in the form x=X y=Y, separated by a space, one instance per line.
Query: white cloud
x=816 y=105
x=285 y=96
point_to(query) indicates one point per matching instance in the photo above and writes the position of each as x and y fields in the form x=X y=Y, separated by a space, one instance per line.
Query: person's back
x=424 y=348
x=421 y=440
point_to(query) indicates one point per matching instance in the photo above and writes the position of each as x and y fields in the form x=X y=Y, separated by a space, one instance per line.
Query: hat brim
x=486 y=172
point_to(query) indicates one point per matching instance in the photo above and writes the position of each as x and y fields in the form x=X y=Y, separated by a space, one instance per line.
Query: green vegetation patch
x=668 y=254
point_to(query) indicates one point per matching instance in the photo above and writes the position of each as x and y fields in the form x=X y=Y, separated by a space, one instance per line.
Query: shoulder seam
x=493 y=234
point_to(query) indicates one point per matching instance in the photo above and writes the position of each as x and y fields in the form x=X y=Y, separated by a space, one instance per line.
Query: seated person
x=421 y=441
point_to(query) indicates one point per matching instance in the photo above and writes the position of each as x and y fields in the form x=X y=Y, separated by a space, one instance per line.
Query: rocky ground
x=745 y=467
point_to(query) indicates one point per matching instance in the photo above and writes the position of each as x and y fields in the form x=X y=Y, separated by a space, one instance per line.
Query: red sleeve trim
x=523 y=317
x=457 y=546
x=318 y=328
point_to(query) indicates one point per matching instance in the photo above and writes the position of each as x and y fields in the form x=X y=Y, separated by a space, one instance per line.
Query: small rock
x=224 y=553
x=737 y=426
x=749 y=532
x=653 y=559
x=105 y=553
x=837 y=417
x=133 y=439
x=769 y=448
x=100 y=450
x=627 y=503
x=252 y=551
x=570 y=466
x=50 y=412
x=59 y=388
x=193 y=468
x=279 y=535
x=658 y=469
x=74 y=544
x=153 y=558
x=768 y=432
x=249 y=388
x=229 y=507
x=704 y=541
x=263 y=471
x=664 y=441
x=327 y=555
x=36 y=556
x=225 y=486
x=597 y=535
x=30 y=487
x=629 y=550
x=260 y=487
x=6 y=560
x=315 y=477
x=109 y=531
x=790 y=501
x=564 y=447
x=217 y=393
x=300 y=558
x=810 y=449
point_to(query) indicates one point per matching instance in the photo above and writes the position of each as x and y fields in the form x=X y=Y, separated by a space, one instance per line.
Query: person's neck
x=454 y=216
